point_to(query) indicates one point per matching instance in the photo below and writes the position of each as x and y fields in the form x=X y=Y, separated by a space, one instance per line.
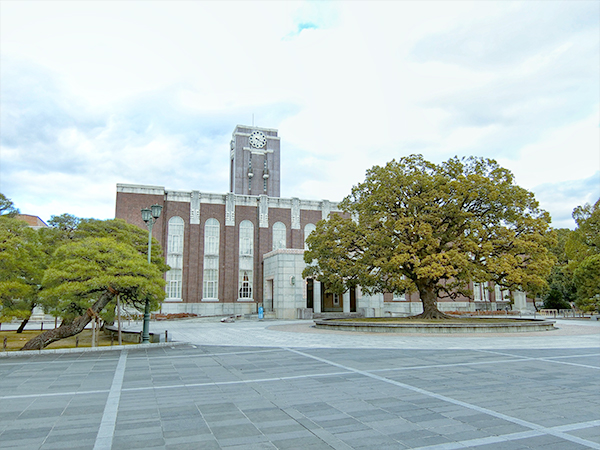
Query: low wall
x=517 y=326
x=134 y=336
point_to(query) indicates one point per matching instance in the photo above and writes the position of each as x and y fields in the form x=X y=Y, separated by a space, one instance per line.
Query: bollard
x=76 y=341
x=166 y=336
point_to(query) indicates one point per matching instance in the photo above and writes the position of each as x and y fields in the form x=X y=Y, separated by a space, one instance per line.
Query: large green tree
x=583 y=252
x=413 y=225
x=101 y=259
x=561 y=287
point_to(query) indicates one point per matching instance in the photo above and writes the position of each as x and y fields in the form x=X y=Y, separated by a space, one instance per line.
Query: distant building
x=230 y=253
x=33 y=221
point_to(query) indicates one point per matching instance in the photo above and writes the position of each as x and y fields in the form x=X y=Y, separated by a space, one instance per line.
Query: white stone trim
x=284 y=251
x=295 y=212
x=179 y=196
x=230 y=210
x=213 y=199
x=195 y=208
x=140 y=189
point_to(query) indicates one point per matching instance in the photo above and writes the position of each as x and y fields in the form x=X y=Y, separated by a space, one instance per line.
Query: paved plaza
x=284 y=385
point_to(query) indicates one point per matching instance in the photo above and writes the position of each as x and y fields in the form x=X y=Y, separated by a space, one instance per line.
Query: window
x=174 y=258
x=174 y=284
x=480 y=292
x=336 y=299
x=502 y=295
x=210 y=277
x=308 y=228
x=245 y=284
x=246 y=260
x=211 y=237
x=279 y=236
x=175 y=240
x=246 y=238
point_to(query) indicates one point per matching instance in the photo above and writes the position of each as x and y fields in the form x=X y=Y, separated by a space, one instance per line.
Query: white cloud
x=562 y=154
x=149 y=92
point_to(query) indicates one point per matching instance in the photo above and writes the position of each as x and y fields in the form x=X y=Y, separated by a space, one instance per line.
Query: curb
x=18 y=354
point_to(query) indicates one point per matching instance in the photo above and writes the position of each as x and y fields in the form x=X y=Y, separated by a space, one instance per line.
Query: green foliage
x=65 y=223
x=123 y=232
x=433 y=228
x=582 y=250
x=22 y=263
x=585 y=240
x=587 y=280
x=554 y=300
x=7 y=207
x=561 y=287
x=84 y=269
x=93 y=256
x=74 y=262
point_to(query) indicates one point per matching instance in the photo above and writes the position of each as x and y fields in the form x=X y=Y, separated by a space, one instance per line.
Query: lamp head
x=146 y=215
x=156 y=210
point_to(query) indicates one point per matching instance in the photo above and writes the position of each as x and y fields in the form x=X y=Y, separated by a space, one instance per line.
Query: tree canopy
x=22 y=264
x=91 y=265
x=583 y=252
x=413 y=225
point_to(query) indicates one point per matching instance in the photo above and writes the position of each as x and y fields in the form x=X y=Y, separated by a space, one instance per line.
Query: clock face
x=258 y=139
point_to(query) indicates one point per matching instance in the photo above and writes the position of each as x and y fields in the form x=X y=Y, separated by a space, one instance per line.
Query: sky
x=149 y=92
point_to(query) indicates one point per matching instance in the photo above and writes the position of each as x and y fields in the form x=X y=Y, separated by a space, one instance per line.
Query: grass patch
x=16 y=341
x=410 y=320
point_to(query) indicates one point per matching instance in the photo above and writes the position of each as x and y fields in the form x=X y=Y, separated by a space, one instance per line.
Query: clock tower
x=254 y=161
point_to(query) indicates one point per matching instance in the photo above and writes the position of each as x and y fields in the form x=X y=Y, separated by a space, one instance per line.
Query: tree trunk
x=22 y=326
x=71 y=328
x=24 y=323
x=428 y=299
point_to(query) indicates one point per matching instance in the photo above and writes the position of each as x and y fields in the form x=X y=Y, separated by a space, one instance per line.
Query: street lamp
x=149 y=216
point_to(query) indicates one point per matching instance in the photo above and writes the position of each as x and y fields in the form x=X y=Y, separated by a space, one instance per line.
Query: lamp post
x=149 y=216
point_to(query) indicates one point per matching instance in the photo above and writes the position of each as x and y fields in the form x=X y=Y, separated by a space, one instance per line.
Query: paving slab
x=307 y=390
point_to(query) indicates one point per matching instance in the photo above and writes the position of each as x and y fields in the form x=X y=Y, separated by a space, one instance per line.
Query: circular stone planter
x=501 y=326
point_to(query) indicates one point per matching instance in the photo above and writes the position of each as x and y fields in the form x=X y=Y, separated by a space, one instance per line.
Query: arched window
x=211 y=259
x=246 y=238
x=174 y=257
x=279 y=236
x=246 y=260
x=308 y=228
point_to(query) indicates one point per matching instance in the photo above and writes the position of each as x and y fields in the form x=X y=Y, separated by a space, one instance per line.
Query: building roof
x=32 y=221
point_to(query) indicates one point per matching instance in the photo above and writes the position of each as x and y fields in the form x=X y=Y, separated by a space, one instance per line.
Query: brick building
x=230 y=253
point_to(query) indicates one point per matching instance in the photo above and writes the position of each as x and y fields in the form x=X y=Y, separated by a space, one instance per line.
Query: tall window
x=480 y=292
x=246 y=259
x=246 y=238
x=279 y=236
x=174 y=258
x=308 y=228
x=502 y=295
x=211 y=259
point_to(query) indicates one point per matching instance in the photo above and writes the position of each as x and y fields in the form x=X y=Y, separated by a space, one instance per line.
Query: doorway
x=268 y=302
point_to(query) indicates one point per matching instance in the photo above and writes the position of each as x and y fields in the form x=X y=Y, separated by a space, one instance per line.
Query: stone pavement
x=303 y=389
